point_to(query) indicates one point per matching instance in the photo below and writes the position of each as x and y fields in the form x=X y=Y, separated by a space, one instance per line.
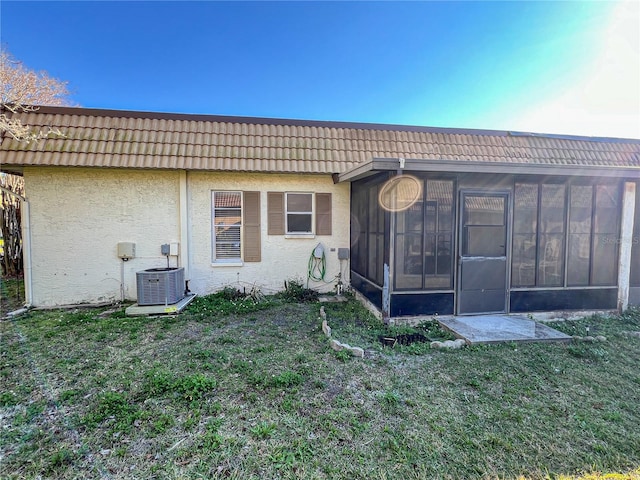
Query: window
x=298 y=212
x=236 y=226
x=292 y=213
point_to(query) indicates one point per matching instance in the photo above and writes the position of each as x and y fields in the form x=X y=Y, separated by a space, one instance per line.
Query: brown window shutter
x=323 y=214
x=251 y=211
x=275 y=213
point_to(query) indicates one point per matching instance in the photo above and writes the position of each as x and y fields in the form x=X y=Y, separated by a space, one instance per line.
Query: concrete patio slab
x=172 y=308
x=331 y=298
x=501 y=328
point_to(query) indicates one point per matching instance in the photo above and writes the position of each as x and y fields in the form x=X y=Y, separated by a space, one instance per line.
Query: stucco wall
x=78 y=216
x=282 y=258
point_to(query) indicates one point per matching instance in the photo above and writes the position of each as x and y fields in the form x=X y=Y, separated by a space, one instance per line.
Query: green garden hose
x=317 y=267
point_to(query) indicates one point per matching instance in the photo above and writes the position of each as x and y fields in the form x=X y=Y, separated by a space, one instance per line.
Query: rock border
x=359 y=352
x=451 y=344
x=335 y=344
x=589 y=338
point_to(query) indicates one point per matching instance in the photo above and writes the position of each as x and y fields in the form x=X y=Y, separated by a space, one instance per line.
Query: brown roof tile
x=107 y=138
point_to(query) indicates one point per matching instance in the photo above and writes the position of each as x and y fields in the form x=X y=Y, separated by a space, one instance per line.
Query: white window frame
x=233 y=261
x=311 y=214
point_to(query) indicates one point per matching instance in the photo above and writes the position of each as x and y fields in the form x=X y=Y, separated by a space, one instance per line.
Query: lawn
x=11 y=294
x=238 y=389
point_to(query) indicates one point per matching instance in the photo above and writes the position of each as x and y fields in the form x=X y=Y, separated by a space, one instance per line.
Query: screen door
x=483 y=253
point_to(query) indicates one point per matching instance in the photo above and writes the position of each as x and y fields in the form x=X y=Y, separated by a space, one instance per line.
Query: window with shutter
x=293 y=213
x=227 y=226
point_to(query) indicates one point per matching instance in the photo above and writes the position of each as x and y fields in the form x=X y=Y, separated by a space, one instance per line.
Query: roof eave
x=375 y=165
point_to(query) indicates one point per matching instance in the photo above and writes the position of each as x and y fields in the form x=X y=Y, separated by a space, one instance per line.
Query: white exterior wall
x=78 y=216
x=282 y=258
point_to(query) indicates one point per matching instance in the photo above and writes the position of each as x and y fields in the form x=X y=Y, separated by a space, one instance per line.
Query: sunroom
x=470 y=238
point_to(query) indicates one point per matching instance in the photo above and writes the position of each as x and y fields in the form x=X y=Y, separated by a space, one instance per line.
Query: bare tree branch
x=23 y=87
x=22 y=90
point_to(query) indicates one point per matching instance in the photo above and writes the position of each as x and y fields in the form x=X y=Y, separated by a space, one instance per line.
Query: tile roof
x=124 y=139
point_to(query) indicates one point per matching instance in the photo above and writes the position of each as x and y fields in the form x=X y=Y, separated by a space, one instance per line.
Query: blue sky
x=556 y=67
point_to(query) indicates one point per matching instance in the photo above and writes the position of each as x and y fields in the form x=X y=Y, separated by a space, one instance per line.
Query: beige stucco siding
x=282 y=258
x=79 y=215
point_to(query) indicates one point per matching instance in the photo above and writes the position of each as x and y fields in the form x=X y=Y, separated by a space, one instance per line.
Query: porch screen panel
x=635 y=243
x=438 y=234
x=409 y=247
x=423 y=239
x=375 y=241
x=551 y=235
x=525 y=229
x=605 y=235
x=579 y=255
x=359 y=232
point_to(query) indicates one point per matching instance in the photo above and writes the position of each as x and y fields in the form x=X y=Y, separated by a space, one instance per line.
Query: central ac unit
x=160 y=286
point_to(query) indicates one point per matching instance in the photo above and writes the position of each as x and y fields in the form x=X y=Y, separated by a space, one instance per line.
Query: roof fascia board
x=457 y=166
x=368 y=168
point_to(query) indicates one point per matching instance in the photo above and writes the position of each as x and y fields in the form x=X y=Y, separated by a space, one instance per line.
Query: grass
x=253 y=390
x=11 y=294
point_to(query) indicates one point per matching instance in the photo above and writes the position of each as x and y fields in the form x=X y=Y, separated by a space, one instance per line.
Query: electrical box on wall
x=126 y=250
x=343 y=253
x=170 y=249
